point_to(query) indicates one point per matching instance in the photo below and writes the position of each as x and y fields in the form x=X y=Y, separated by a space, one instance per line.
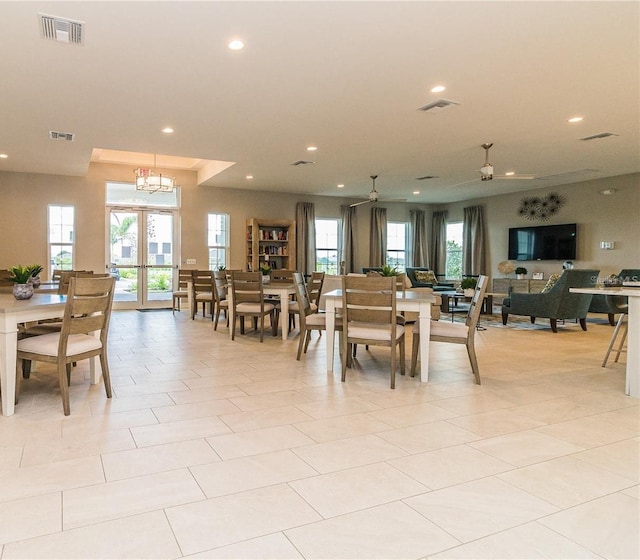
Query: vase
x=35 y=280
x=22 y=291
x=520 y=276
x=266 y=278
x=468 y=292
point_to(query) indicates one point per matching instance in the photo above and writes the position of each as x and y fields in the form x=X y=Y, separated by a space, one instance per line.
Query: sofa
x=556 y=303
x=421 y=281
x=602 y=304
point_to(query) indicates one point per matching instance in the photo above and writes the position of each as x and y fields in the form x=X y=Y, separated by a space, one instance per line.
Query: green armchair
x=557 y=303
x=602 y=304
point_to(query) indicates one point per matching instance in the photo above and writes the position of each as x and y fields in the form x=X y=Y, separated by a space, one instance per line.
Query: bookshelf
x=272 y=241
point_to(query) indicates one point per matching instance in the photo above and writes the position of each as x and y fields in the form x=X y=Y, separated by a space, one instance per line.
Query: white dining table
x=632 y=381
x=284 y=291
x=13 y=312
x=417 y=301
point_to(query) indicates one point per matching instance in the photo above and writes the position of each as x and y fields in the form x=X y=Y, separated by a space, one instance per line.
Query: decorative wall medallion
x=541 y=208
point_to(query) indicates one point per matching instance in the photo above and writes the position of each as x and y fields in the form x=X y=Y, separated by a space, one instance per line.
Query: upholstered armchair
x=557 y=302
x=600 y=304
x=423 y=277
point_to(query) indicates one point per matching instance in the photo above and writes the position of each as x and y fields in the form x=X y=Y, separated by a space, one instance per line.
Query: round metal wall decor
x=541 y=208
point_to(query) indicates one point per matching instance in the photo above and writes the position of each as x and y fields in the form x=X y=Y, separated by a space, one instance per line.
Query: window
x=454 y=250
x=397 y=245
x=218 y=240
x=327 y=246
x=61 y=238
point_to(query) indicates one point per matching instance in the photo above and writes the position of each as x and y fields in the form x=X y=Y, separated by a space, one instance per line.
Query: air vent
x=438 y=105
x=66 y=136
x=598 y=136
x=302 y=162
x=61 y=29
x=569 y=174
x=426 y=177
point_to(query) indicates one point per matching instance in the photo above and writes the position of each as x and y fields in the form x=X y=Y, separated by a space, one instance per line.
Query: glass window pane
x=327 y=245
x=125 y=194
x=217 y=240
x=454 y=251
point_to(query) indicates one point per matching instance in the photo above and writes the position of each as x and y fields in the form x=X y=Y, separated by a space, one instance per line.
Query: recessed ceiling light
x=236 y=45
x=249 y=177
x=312 y=148
x=4 y=156
x=575 y=119
x=341 y=186
x=416 y=192
x=437 y=89
x=510 y=173
x=167 y=130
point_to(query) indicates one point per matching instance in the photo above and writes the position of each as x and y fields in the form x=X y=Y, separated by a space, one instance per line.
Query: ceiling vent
x=302 y=162
x=569 y=174
x=61 y=29
x=438 y=106
x=66 y=136
x=426 y=177
x=598 y=136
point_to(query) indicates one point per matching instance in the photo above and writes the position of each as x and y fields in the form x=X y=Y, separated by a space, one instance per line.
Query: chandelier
x=147 y=180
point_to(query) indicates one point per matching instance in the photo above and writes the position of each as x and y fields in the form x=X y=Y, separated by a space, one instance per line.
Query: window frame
x=328 y=268
x=61 y=244
x=215 y=264
x=404 y=251
x=457 y=251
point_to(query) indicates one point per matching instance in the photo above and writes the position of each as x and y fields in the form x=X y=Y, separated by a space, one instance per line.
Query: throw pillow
x=426 y=277
x=550 y=283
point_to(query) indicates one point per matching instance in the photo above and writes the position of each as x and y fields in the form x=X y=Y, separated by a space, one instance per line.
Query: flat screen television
x=543 y=243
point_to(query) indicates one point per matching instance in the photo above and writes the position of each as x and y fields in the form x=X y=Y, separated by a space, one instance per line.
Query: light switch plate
x=191 y=261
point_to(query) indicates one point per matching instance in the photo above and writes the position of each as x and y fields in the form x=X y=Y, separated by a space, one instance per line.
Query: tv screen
x=543 y=243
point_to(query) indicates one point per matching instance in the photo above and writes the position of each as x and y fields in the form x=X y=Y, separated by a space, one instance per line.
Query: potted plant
x=520 y=272
x=20 y=276
x=265 y=268
x=468 y=285
x=388 y=270
x=36 y=269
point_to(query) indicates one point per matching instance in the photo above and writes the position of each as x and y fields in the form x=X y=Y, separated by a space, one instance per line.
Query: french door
x=142 y=245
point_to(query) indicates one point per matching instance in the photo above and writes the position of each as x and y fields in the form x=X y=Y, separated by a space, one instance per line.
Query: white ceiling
x=347 y=77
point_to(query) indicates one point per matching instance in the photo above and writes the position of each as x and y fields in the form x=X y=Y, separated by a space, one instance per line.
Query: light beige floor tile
x=53 y=477
x=336 y=407
x=231 y=519
x=610 y=526
x=427 y=437
x=30 y=517
x=208 y=394
x=158 y=458
x=634 y=492
x=149 y=388
x=530 y=541
x=354 y=489
x=258 y=441
x=566 y=482
x=146 y=536
x=189 y=411
x=183 y=430
x=479 y=508
x=628 y=418
x=10 y=457
x=587 y=432
x=220 y=380
x=340 y=427
x=446 y=467
x=271 y=547
x=131 y=496
x=247 y=473
x=475 y=403
x=386 y=532
x=495 y=423
x=556 y=410
x=264 y=418
x=525 y=448
x=412 y=414
x=269 y=400
x=347 y=453
x=116 y=405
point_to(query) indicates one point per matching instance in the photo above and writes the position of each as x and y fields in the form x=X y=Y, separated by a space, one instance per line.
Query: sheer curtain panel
x=439 y=242
x=347 y=239
x=305 y=237
x=419 y=243
x=378 y=237
x=473 y=244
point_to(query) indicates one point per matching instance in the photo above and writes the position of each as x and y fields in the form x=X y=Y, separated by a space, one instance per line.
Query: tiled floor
x=218 y=449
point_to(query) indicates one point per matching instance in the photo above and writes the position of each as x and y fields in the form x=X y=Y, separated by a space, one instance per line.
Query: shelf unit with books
x=271 y=241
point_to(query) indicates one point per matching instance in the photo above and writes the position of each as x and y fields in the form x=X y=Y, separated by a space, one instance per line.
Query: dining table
x=632 y=374
x=406 y=300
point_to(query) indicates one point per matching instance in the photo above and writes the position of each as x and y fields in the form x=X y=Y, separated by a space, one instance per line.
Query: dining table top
x=9 y=304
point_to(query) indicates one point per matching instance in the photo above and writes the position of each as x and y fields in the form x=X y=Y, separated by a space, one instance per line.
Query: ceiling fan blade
x=515 y=177
x=392 y=200
x=464 y=183
x=359 y=203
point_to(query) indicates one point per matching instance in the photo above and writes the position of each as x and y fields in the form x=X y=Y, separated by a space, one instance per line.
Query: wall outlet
x=191 y=261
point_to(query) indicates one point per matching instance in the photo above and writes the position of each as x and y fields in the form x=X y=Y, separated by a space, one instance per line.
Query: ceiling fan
x=486 y=171
x=373 y=195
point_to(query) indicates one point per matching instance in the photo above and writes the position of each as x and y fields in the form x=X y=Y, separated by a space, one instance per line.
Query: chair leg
x=613 y=340
x=301 y=340
x=414 y=353
x=261 y=326
x=64 y=388
x=474 y=361
x=554 y=325
x=402 y=356
x=26 y=368
x=583 y=323
x=612 y=319
x=505 y=316
x=393 y=367
x=622 y=341
x=106 y=376
x=307 y=339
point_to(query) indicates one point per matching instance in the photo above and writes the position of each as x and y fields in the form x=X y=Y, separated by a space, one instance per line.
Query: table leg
x=632 y=382
x=425 y=335
x=330 y=310
x=284 y=316
x=8 y=349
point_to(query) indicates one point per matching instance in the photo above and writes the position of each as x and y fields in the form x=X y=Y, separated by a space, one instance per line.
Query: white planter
x=520 y=276
x=468 y=292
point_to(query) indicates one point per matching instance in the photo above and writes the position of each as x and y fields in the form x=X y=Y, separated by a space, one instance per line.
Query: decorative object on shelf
x=567 y=265
x=520 y=272
x=613 y=281
x=468 y=285
x=20 y=275
x=538 y=276
x=36 y=269
x=541 y=208
x=506 y=267
x=147 y=180
x=265 y=268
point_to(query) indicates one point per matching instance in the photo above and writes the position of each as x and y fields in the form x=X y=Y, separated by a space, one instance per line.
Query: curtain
x=305 y=237
x=439 y=242
x=347 y=239
x=378 y=237
x=473 y=242
x=419 y=244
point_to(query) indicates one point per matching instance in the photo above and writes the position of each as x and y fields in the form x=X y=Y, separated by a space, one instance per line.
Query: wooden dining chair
x=247 y=300
x=369 y=317
x=456 y=333
x=220 y=301
x=85 y=327
x=314 y=289
x=201 y=291
x=184 y=277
